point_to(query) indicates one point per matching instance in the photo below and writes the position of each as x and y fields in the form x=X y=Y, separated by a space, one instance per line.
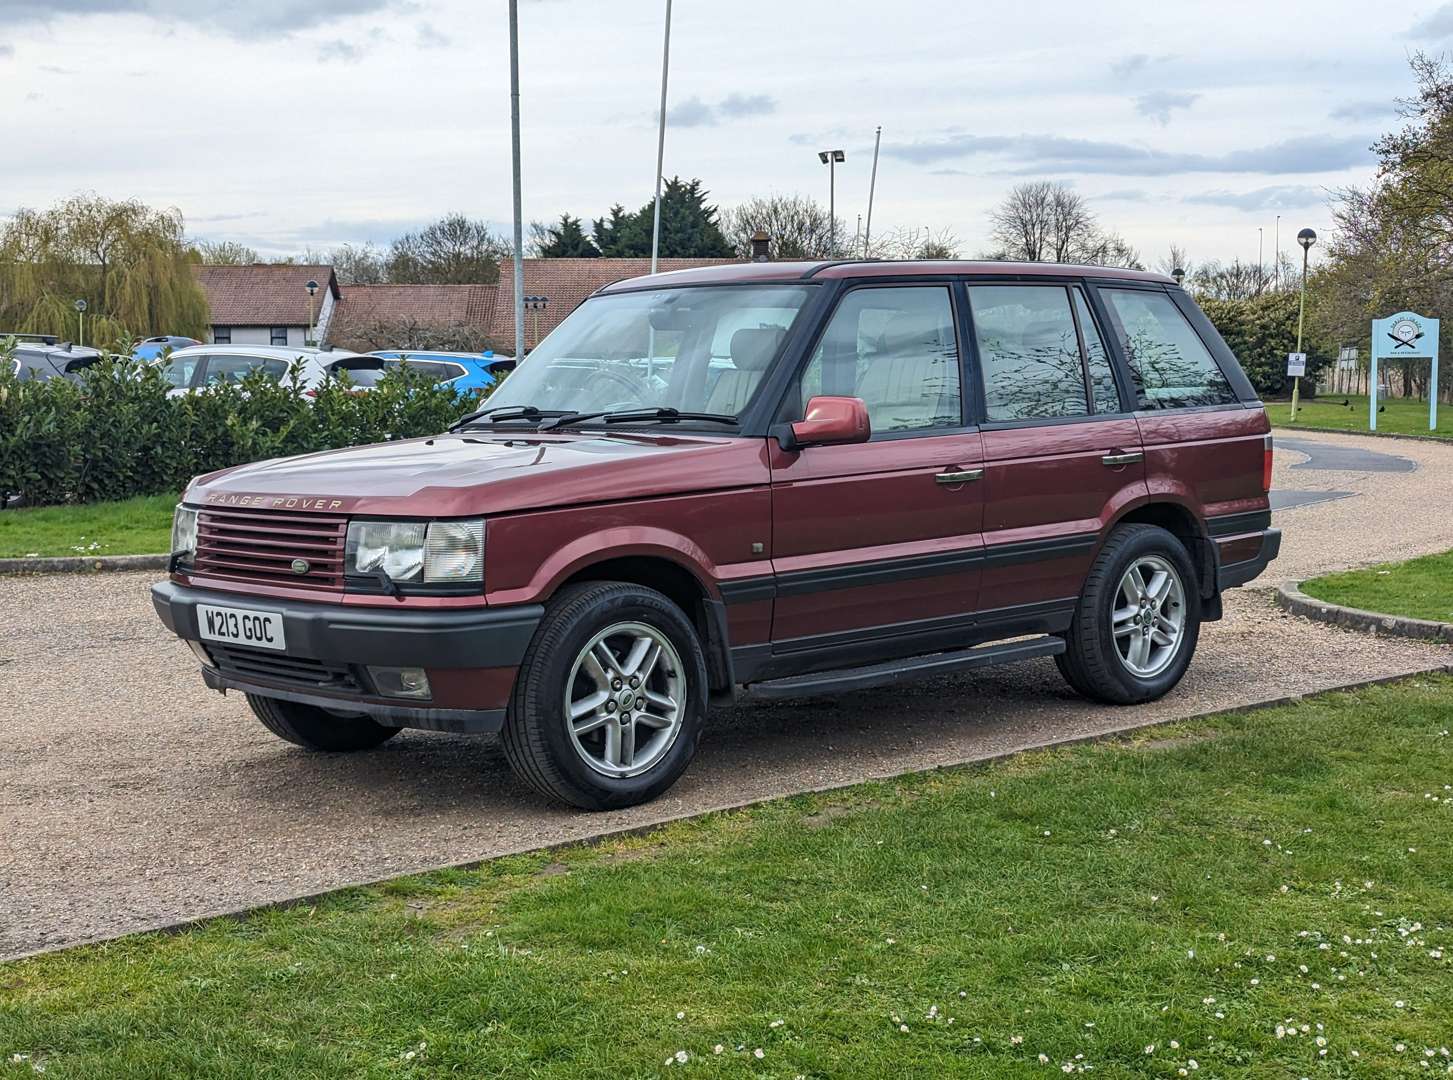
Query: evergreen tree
x=689 y=227
x=567 y=240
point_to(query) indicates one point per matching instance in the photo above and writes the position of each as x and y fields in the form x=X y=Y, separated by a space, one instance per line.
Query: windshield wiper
x=665 y=414
x=506 y=412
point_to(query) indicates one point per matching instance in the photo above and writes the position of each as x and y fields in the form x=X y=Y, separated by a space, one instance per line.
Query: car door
x=1062 y=452
x=879 y=541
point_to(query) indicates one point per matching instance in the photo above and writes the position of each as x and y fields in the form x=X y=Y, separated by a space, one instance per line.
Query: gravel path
x=131 y=797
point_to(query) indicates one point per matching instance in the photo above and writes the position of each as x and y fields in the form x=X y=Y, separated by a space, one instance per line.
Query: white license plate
x=241 y=626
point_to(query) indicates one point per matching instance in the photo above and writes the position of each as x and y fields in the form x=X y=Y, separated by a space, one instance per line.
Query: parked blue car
x=153 y=347
x=462 y=371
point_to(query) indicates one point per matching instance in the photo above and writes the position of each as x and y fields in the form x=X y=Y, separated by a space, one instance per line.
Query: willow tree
x=128 y=261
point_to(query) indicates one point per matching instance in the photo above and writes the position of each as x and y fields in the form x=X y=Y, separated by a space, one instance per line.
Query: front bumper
x=1230 y=575
x=340 y=641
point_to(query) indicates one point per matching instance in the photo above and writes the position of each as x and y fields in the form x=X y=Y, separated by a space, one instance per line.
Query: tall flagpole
x=872 y=186
x=515 y=153
x=661 y=140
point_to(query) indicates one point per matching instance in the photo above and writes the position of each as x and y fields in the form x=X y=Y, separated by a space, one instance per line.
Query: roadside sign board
x=1405 y=336
x=1296 y=364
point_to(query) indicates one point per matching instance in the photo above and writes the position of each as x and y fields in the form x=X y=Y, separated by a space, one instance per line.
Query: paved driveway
x=131 y=797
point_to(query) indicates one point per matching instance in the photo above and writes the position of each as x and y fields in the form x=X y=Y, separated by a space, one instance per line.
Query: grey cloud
x=735 y=105
x=431 y=37
x=239 y=19
x=343 y=51
x=51 y=69
x=1437 y=25
x=1158 y=104
x=1038 y=154
x=1358 y=111
x=1267 y=198
x=693 y=112
x=1124 y=195
x=1135 y=63
x=6 y=51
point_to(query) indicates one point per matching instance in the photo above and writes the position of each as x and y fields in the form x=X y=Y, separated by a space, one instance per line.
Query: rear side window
x=1169 y=365
x=1029 y=354
x=1097 y=363
x=233 y=369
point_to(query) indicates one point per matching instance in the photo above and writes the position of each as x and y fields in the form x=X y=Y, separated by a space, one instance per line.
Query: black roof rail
x=837 y=262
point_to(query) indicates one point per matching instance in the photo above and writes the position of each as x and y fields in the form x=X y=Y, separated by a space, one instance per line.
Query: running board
x=845 y=680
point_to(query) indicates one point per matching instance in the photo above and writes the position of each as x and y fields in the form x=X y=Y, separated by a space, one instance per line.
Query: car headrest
x=754 y=347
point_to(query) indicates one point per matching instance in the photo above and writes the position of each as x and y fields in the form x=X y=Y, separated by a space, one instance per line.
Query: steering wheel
x=597 y=384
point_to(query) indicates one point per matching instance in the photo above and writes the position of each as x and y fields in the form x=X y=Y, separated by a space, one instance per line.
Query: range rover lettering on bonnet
x=273 y=502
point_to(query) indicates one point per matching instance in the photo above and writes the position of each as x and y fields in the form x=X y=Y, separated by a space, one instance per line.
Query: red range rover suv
x=769 y=480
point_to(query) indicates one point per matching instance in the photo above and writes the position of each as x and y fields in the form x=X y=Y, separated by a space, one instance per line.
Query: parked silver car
x=200 y=366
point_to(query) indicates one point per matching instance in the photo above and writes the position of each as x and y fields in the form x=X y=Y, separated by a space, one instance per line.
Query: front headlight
x=184 y=532
x=413 y=551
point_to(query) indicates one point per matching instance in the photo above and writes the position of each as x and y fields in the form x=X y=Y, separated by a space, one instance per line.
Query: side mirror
x=830 y=421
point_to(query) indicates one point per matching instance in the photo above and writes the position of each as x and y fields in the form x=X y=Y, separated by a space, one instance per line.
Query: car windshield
x=702 y=350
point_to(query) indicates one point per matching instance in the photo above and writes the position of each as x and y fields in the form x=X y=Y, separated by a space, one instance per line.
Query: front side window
x=895 y=348
x=1170 y=367
x=701 y=349
x=1029 y=353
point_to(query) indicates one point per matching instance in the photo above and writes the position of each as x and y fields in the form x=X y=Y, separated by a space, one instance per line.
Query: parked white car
x=198 y=366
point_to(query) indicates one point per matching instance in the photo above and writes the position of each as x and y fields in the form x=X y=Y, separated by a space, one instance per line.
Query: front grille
x=277 y=667
x=261 y=546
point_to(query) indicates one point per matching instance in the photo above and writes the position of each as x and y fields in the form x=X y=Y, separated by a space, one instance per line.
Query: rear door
x=1204 y=448
x=880 y=541
x=1062 y=451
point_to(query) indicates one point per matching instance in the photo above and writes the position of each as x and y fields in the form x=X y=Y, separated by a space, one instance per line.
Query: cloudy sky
x=284 y=123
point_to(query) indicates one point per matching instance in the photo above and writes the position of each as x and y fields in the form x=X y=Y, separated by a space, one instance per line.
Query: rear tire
x=1138 y=619
x=313 y=728
x=604 y=651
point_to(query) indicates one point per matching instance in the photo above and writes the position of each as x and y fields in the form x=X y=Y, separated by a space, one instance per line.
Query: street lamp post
x=661 y=140
x=1306 y=238
x=1179 y=274
x=80 y=306
x=312 y=287
x=831 y=158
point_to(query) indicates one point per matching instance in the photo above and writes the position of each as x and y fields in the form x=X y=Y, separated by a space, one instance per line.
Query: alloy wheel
x=625 y=699
x=1149 y=617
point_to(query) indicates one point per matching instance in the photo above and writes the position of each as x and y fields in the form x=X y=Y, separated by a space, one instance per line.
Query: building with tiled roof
x=268 y=303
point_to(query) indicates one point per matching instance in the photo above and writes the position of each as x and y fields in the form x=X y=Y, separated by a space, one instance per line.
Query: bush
x=1261 y=330
x=116 y=433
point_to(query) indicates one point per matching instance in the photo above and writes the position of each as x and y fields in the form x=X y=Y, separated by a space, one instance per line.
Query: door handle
x=962 y=476
x=1127 y=458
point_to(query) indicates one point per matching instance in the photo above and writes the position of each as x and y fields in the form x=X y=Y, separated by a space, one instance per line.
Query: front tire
x=313 y=728
x=610 y=699
x=1138 y=620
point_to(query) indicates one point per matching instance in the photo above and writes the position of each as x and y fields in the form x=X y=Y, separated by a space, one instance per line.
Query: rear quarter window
x=1170 y=367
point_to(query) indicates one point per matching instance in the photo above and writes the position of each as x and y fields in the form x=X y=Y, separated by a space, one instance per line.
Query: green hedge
x=117 y=433
x=1261 y=331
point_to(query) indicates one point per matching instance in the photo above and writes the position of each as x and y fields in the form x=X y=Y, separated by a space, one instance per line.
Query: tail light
x=314 y=393
x=1266 y=464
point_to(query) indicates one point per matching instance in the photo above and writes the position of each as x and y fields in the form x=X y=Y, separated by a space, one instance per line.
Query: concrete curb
x=1290 y=597
x=646 y=828
x=1292 y=429
x=83 y=564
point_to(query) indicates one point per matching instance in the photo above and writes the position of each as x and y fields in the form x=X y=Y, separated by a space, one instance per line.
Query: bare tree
x=796 y=226
x=225 y=253
x=915 y=243
x=454 y=250
x=358 y=264
x=1043 y=221
x=1175 y=258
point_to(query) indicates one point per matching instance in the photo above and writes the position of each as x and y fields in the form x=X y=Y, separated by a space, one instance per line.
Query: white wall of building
x=261 y=335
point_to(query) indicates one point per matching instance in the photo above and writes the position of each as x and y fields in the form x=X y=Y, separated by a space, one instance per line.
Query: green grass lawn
x=1402 y=416
x=1419 y=588
x=140 y=526
x=1255 y=895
